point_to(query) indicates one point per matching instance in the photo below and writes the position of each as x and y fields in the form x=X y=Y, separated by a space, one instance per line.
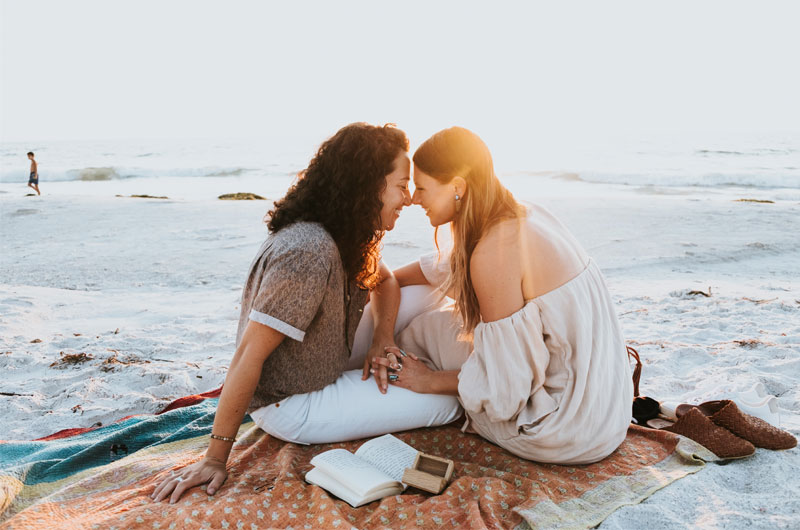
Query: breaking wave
x=766 y=180
x=113 y=173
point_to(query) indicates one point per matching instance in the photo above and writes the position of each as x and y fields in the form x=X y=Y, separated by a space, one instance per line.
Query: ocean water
x=767 y=164
x=112 y=160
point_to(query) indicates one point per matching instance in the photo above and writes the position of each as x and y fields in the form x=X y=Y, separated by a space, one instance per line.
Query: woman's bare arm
x=410 y=274
x=257 y=343
x=385 y=300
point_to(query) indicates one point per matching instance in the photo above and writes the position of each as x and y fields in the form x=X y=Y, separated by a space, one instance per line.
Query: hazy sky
x=510 y=70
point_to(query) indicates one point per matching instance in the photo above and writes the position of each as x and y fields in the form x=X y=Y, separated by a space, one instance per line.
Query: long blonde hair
x=459 y=152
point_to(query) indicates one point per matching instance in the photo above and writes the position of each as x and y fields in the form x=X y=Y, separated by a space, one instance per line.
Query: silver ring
x=399 y=367
x=401 y=350
x=179 y=479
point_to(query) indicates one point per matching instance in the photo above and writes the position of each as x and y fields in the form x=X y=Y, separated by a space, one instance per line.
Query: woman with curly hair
x=532 y=347
x=304 y=326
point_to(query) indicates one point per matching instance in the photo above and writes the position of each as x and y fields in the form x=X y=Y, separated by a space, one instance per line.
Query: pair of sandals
x=720 y=426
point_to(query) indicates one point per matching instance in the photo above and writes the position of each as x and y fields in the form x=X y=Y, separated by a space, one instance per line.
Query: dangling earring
x=458 y=202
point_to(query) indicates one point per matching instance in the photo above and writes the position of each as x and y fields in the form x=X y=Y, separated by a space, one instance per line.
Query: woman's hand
x=376 y=351
x=415 y=376
x=405 y=370
x=208 y=470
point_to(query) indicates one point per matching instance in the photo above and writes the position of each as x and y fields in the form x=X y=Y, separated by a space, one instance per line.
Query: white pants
x=349 y=408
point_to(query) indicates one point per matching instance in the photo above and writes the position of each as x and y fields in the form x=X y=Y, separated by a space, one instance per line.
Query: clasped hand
x=400 y=368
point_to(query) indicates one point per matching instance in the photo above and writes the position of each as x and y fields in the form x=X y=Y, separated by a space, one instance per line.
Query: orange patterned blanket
x=490 y=487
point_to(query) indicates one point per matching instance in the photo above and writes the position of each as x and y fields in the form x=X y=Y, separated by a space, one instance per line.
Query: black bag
x=644 y=408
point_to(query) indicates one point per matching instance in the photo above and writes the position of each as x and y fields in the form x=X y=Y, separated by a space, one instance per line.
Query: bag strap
x=637 y=372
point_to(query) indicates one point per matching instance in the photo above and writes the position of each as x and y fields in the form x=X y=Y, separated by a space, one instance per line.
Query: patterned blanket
x=102 y=478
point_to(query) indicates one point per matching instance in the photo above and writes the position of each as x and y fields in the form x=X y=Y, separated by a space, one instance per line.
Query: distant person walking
x=33 y=180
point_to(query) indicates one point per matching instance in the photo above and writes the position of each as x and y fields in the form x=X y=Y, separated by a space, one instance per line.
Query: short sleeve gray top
x=296 y=285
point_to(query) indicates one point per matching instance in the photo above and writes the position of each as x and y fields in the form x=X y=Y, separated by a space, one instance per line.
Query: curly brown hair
x=341 y=190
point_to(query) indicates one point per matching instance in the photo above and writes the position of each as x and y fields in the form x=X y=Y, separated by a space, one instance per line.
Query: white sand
x=78 y=264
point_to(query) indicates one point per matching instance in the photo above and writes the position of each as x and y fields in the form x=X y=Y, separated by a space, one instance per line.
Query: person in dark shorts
x=33 y=180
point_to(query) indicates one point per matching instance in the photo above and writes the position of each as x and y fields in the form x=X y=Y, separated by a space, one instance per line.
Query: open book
x=373 y=472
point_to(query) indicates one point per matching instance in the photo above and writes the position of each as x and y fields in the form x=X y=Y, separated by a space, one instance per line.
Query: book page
x=322 y=479
x=389 y=454
x=354 y=472
x=319 y=477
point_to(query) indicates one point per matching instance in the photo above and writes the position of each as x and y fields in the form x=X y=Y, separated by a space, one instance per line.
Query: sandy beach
x=665 y=137
x=112 y=306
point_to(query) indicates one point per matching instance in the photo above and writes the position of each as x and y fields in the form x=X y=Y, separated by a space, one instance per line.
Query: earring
x=458 y=203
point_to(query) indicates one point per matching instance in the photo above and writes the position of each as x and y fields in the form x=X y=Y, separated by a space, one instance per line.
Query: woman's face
x=437 y=199
x=396 y=194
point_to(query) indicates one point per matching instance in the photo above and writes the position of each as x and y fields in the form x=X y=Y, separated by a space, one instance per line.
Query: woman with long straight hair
x=531 y=346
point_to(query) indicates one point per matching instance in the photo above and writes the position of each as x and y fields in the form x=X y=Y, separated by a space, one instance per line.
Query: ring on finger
x=393 y=377
x=401 y=350
x=396 y=365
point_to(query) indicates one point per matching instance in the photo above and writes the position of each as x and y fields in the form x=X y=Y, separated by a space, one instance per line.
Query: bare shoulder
x=501 y=239
x=496 y=273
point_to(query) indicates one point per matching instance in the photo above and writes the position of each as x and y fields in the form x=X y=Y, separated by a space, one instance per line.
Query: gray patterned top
x=296 y=285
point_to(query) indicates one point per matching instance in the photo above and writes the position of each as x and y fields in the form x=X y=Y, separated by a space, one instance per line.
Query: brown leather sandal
x=726 y=414
x=692 y=424
x=720 y=441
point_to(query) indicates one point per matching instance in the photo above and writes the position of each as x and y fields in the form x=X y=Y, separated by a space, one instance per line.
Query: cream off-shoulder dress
x=550 y=383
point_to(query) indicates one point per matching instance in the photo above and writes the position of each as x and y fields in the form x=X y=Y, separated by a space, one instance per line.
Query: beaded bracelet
x=223 y=438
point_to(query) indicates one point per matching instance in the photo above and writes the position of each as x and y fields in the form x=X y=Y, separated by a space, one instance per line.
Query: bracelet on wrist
x=222 y=438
